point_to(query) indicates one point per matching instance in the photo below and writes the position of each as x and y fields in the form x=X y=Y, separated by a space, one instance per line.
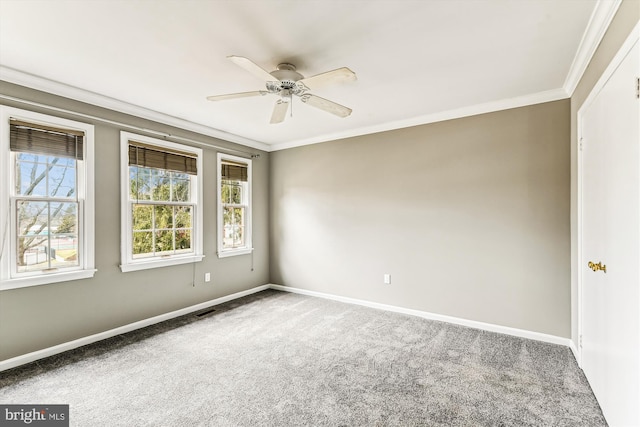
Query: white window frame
x=9 y=277
x=128 y=263
x=248 y=246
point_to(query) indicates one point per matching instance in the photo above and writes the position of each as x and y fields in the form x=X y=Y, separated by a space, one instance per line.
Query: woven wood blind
x=39 y=139
x=234 y=171
x=155 y=157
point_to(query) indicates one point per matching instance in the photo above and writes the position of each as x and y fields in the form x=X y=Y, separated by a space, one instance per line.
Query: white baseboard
x=432 y=316
x=50 y=351
x=576 y=354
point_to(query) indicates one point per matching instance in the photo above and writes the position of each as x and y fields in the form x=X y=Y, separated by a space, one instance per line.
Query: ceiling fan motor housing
x=287 y=77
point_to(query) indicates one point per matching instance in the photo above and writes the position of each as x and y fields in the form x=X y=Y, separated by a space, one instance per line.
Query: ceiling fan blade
x=237 y=95
x=252 y=67
x=326 y=105
x=340 y=75
x=279 y=111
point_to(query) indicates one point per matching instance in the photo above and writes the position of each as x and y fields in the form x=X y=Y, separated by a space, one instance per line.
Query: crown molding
x=56 y=88
x=21 y=78
x=598 y=24
x=472 y=110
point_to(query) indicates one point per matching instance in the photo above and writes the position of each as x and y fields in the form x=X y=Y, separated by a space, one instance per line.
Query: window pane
x=161 y=185
x=227 y=227
x=163 y=216
x=238 y=215
x=183 y=217
x=227 y=216
x=227 y=237
x=238 y=236
x=231 y=192
x=164 y=241
x=33 y=218
x=62 y=181
x=64 y=218
x=33 y=253
x=224 y=192
x=47 y=235
x=180 y=188
x=27 y=157
x=31 y=179
x=142 y=244
x=142 y=217
x=183 y=240
x=64 y=250
x=238 y=227
x=233 y=227
x=139 y=183
x=237 y=193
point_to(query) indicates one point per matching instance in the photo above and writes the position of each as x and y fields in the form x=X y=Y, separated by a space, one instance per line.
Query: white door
x=610 y=239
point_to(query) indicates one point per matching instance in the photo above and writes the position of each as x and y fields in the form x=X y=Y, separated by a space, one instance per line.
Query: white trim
x=248 y=215
x=624 y=50
x=197 y=235
x=146 y=264
x=433 y=316
x=40 y=83
x=45 y=279
x=626 y=47
x=9 y=278
x=18 y=77
x=234 y=252
x=472 y=110
x=598 y=24
x=574 y=350
x=70 y=345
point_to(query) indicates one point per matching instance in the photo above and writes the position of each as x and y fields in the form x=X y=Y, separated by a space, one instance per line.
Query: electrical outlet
x=207 y=277
x=387 y=279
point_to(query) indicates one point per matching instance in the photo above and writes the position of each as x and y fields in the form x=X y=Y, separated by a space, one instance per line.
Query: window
x=47 y=199
x=234 y=205
x=161 y=203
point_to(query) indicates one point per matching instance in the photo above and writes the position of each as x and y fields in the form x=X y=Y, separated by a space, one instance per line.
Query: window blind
x=158 y=158
x=40 y=139
x=234 y=171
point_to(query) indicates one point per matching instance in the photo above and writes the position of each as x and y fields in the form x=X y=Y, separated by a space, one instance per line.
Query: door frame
x=626 y=47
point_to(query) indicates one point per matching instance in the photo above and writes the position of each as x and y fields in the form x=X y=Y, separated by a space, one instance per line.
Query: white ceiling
x=417 y=61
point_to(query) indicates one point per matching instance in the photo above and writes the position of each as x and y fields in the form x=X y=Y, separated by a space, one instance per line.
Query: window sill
x=45 y=279
x=157 y=263
x=234 y=252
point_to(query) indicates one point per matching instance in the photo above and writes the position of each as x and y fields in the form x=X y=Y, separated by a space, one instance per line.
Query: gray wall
x=42 y=316
x=469 y=216
x=626 y=17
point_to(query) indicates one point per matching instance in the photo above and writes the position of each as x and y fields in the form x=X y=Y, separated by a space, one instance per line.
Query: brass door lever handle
x=598 y=266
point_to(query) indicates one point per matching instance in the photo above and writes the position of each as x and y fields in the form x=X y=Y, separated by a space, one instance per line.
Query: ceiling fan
x=285 y=81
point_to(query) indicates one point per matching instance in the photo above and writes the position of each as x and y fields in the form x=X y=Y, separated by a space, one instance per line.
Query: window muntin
x=161 y=212
x=162 y=216
x=48 y=235
x=234 y=205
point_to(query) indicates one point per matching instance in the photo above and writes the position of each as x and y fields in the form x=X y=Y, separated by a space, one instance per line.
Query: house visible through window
x=234 y=205
x=50 y=209
x=162 y=207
